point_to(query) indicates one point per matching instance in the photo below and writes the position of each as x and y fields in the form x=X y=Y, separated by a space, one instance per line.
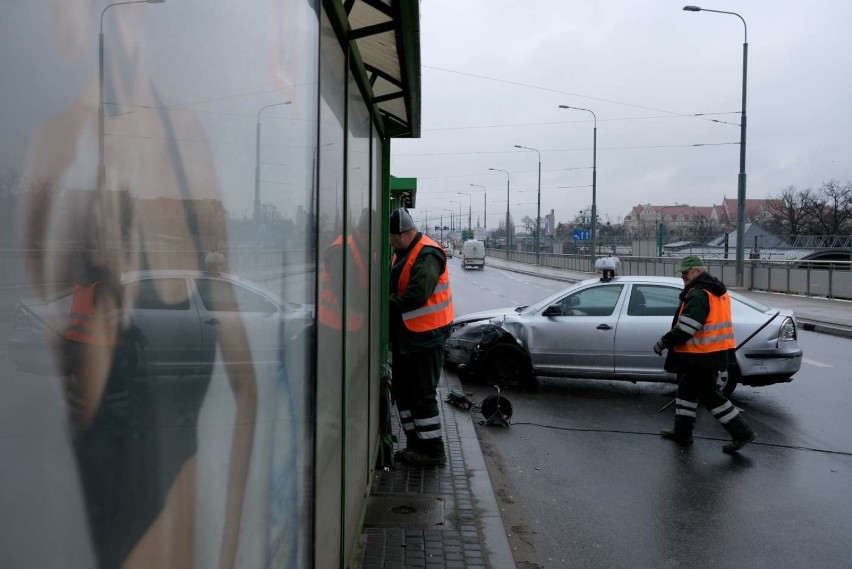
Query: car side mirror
x=552 y=310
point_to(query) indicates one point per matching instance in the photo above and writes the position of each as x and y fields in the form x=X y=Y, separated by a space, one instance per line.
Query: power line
x=567 y=149
x=548 y=89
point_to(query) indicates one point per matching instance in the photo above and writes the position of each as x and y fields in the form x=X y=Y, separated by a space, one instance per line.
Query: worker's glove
x=659 y=347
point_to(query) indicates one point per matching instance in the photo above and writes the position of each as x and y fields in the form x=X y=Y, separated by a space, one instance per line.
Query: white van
x=473 y=254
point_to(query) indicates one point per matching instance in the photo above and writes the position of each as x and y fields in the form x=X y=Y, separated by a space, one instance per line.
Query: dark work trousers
x=699 y=386
x=414 y=387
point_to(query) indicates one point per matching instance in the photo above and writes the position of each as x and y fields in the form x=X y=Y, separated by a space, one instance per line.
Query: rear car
x=473 y=254
x=174 y=320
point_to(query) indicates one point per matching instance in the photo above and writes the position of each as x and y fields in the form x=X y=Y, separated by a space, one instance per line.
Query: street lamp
x=452 y=222
x=484 y=207
x=741 y=178
x=257 y=158
x=469 y=205
x=507 y=206
x=594 y=182
x=536 y=241
x=460 y=215
x=101 y=188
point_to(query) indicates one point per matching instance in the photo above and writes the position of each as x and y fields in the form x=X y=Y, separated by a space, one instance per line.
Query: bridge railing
x=827 y=279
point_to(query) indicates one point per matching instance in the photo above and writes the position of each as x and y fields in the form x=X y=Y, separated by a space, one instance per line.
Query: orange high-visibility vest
x=717 y=333
x=438 y=310
x=329 y=309
x=83 y=324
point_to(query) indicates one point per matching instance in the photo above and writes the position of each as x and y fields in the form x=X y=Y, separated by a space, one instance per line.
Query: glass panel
x=189 y=152
x=647 y=300
x=330 y=372
x=357 y=307
x=595 y=301
x=228 y=297
x=164 y=294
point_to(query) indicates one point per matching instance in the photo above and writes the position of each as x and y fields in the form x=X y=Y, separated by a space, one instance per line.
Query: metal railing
x=826 y=279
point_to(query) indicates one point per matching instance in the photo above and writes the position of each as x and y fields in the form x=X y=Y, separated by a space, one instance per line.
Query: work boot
x=402 y=454
x=417 y=458
x=741 y=434
x=680 y=437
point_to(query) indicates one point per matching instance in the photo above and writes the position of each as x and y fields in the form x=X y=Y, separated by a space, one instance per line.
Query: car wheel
x=728 y=382
x=506 y=365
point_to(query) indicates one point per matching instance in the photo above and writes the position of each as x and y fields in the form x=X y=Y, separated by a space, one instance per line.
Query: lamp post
x=507 y=206
x=484 y=208
x=536 y=241
x=469 y=207
x=101 y=187
x=257 y=158
x=594 y=235
x=741 y=178
x=460 y=215
x=452 y=225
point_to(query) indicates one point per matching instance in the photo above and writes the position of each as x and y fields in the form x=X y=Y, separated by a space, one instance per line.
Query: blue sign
x=581 y=235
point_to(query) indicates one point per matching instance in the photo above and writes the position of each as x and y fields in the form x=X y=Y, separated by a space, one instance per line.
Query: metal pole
x=594 y=191
x=100 y=190
x=741 y=177
x=594 y=240
x=507 y=207
x=257 y=158
x=538 y=215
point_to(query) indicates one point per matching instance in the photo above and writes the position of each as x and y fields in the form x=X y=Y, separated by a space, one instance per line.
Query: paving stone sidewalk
x=436 y=516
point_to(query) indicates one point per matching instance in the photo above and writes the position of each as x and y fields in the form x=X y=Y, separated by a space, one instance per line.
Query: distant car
x=174 y=319
x=473 y=254
x=606 y=328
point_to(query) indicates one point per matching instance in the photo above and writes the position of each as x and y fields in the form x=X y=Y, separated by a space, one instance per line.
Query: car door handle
x=604 y=327
x=212 y=321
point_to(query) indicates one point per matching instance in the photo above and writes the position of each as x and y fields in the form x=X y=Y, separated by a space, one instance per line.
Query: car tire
x=506 y=365
x=734 y=377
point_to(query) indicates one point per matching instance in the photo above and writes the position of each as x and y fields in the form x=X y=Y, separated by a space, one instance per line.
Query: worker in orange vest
x=91 y=341
x=700 y=343
x=421 y=311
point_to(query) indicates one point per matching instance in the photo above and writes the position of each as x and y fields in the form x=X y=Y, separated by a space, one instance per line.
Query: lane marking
x=815 y=363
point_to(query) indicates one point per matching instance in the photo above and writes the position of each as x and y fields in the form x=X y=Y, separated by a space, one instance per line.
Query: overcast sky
x=495 y=71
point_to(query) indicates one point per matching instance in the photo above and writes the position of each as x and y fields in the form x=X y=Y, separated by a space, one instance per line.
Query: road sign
x=581 y=235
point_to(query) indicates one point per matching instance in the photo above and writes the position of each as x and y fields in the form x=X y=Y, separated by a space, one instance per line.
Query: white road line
x=815 y=363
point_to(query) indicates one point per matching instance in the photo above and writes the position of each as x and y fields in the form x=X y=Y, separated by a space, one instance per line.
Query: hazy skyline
x=494 y=74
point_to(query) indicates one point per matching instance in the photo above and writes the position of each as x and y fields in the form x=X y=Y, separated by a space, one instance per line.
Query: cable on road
x=706 y=438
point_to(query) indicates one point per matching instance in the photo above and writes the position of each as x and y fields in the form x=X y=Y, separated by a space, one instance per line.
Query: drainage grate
x=404 y=511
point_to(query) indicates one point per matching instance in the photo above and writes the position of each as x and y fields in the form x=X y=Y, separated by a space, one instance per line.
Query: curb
x=495 y=541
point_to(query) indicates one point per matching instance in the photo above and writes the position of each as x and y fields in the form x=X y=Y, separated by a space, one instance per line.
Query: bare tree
x=830 y=209
x=789 y=211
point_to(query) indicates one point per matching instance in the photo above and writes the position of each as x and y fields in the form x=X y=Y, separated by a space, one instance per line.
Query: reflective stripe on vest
x=438 y=310
x=717 y=333
x=84 y=324
x=329 y=308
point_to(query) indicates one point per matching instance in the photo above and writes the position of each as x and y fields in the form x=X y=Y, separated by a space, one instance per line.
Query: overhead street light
x=507 y=207
x=741 y=178
x=536 y=241
x=460 y=215
x=257 y=158
x=484 y=207
x=594 y=181
x=469 y=205
x=101 y=182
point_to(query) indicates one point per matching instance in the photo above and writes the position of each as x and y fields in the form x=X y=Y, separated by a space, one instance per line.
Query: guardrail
x=826 y=279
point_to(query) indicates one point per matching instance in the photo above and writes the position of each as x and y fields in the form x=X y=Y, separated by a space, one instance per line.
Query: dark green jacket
x=425 y=272
x=696 y=306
